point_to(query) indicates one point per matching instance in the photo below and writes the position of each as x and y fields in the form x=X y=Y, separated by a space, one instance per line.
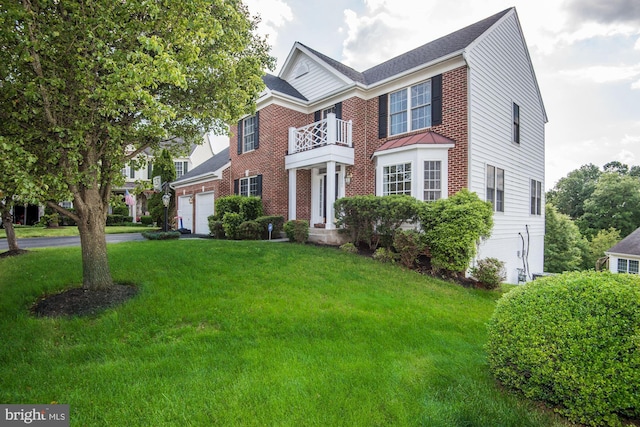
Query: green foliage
x=453 y=227
x=615 y=203
x=164 y=167
x=297 y=230
x=216 y=228
x=563 y=243
x=570 y=192
x=601 y=242
x=250 y=230
x=349 y=247
x=385 y=255
x=572 y=340
x=372 y=220
x=119 y=208
x=146 y=220
x=161 y=235
x=250 y=208
x=276 y=220
x=231 y=224
x=490 y=272
x=409 y=244
x=118 y=219
x=87 y=84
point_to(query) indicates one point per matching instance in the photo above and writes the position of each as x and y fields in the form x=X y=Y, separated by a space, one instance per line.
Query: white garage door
x=204 y=209
x=185 y=210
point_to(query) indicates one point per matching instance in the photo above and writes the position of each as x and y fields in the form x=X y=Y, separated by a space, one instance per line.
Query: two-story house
x=463 y=111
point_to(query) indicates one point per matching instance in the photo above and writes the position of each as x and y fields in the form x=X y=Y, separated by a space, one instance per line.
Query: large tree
x=564 y=246
x=570 y=192
x=86 y=85
x=615 y=203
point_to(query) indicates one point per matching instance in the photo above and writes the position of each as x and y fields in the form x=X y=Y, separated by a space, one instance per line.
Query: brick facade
x=274 y=122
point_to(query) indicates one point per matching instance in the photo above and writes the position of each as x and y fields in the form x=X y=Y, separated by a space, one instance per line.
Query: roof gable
x=206 y=168
x=276 y=84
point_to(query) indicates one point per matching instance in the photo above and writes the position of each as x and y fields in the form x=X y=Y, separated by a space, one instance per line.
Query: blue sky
x=586 y=54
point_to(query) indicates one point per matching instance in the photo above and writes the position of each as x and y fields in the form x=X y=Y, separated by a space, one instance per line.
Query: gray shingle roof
x=209 y=166
x=424 y=54
x=277 y=84
x=630 y=245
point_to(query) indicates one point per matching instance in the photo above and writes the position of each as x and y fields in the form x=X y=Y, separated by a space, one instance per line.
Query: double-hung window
x=249 y=186
x=432 y=180
x=181 y=168
x=396 y=179
x=248 y=134
x=410 y=108
x=536 y=197
x=495 y=187
x=630 y=266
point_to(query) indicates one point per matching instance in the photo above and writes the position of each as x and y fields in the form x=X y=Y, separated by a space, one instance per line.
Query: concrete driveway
x=52 y=242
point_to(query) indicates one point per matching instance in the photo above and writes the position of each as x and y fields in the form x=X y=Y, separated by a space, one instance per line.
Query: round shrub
x=250 y=230
x=146 y=220
x=385 y=255
x=573 y=341
x=297 y=230
x=490 y=272
x=349 y=247
x=231 y=224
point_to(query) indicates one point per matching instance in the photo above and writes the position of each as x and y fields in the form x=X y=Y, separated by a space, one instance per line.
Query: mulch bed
x=82 y=302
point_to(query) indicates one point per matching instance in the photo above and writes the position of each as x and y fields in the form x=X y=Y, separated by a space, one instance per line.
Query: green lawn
x=25 y=232
x=254 y=333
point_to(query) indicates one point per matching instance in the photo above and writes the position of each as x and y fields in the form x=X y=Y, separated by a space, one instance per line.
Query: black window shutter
x=259 y=184
x=317 y=116
x=382 y=116
x=339 y=110
x=236 y=186
x=436 y=100
x=256 y=130
x=240 y=137
x=185 y=167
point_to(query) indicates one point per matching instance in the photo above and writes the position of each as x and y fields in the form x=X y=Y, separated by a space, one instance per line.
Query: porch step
x=323 y=236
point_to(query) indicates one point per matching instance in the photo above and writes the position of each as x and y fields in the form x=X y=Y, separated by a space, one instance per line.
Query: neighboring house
x=197 y=189
x=625 y=256
x=134 y=174
x=463 y=111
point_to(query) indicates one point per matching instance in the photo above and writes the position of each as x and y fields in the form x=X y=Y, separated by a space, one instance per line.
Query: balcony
x=320 y=142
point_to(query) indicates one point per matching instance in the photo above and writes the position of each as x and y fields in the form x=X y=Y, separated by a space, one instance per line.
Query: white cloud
x=274 y=14
x=631 y=140
x=626 y=157
x=635 y=85
x=637 y=45
x=604 y=73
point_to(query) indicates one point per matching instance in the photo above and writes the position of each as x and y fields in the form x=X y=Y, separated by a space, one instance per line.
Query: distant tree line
x=588 y=211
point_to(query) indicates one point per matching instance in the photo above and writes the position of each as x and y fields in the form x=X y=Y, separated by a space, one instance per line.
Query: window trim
x=248 y=184
x=535 y=197
x=426 y=179
x=409 y=108
x=627 y=266
x=495 y=193
x=386 y=185
x=515 y=132
x=184 y=167
x=246 y=135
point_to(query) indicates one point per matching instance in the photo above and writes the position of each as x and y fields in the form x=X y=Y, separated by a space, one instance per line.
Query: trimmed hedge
x=118 y=219
x=297 y=230
x=215 y=227
x=162 y=235
x=276 y=220
x=250 y=230
x=572 y=340
x=249 y=208
x=374 y=220
x=231 y=224
x=146 y=220
x=490 y=272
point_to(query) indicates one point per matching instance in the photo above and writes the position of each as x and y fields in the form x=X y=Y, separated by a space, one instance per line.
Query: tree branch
x=63 y=211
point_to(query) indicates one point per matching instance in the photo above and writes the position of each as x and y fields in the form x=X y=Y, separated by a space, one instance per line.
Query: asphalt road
x=53 y=242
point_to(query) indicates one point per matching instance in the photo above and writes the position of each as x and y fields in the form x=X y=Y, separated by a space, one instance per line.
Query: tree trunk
x=7 y=222
x=96 y=274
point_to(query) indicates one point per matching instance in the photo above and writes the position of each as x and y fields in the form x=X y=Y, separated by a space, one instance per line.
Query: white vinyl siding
x=500 y=74
x=316 y=82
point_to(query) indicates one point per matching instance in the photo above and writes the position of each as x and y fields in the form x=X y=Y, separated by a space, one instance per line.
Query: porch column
x=292 y=193
x=331 y=195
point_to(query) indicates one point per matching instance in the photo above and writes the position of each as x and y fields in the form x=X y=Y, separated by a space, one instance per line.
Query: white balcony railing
x=330 y=131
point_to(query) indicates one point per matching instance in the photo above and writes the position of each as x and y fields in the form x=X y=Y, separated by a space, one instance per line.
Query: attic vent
x=301 y=70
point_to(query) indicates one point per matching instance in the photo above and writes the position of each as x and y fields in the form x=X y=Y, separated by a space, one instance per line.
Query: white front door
x=185 y=212
x=204 y=209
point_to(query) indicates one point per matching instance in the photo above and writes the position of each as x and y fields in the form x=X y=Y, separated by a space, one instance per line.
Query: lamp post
x=166 y=198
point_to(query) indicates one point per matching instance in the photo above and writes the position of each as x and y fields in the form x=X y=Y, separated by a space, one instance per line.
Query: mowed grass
x=253 y=333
